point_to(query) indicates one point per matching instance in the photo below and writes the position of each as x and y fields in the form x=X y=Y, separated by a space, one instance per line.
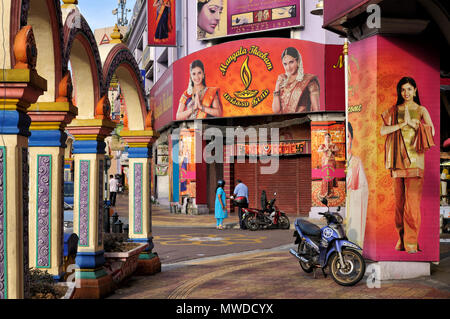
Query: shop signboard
x=393 y=168
x=220 y=18
x=161 y=23
x=268 y=149
x=161 y=100
x=328 y=163
x=261 y=76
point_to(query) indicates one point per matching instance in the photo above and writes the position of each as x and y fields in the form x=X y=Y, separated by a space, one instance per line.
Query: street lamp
x=122 y=12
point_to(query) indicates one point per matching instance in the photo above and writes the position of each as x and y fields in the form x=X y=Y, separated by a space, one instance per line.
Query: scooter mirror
x=275 y=194
x=324 y=201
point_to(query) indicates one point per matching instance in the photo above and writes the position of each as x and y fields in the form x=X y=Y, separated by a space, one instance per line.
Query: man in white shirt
x=113 y=187
x=241 y=196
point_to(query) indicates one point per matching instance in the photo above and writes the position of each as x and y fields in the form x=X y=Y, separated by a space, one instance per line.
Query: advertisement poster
x=161 y=100
x=219 y=18
x=161 y=23
x=250 y=77
x=393 y=164
x=328 y=163
x=187 y=163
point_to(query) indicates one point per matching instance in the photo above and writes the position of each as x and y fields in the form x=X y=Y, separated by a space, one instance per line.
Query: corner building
x=241 y=61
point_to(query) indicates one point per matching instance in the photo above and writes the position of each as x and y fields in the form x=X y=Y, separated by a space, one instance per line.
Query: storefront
x=242 y=86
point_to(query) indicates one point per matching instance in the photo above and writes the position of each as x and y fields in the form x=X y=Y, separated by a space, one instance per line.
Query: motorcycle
x=269 y=217
x=329 y=246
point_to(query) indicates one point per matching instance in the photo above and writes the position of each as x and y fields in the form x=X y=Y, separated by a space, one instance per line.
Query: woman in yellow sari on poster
x=410 y=132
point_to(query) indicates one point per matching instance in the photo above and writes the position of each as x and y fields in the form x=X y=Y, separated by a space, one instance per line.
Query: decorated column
x=47 y=143
x=89 y=161
x=393 y=153
x=20 y=87
x=139 y=207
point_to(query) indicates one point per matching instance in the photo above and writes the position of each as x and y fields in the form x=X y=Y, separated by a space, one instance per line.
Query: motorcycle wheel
x=307 y=267
x=251 y=223
x=283 y=222
x=353 y=271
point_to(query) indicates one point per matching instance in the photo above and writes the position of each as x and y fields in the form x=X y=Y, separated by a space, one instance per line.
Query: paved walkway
x=262 y=274
x=272 y=274
x=161 y=216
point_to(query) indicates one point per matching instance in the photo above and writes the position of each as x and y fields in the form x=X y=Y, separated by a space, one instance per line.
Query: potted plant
x=121 y=256
x=43 y=286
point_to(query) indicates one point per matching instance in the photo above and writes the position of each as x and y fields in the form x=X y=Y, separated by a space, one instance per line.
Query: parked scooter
x=269 y=217
x=319 y=248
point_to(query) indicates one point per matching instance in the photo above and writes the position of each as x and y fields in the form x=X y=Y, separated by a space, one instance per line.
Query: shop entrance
x=292 y=182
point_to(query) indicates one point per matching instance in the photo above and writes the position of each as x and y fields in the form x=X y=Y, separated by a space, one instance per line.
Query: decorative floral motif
x=84 y=204
x=2 y=227
x=43 y=211
x=138 y=198
x=100 y=203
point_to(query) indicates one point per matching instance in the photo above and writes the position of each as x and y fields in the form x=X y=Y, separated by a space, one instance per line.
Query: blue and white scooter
x=329 y=246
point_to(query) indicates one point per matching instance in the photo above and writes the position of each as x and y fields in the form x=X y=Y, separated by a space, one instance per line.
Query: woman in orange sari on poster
x=295 y=92
x=198 y=101
x=163 y=19
x=410 y=132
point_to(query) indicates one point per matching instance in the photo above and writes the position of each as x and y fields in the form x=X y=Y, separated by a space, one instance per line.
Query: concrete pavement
x=264 y=273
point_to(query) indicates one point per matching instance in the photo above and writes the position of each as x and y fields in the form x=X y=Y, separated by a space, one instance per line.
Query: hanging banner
x=393 y=164
x=161 y=23
x=220 y=18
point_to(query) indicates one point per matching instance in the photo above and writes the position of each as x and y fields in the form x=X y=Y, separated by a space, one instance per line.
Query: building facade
x=183 y=175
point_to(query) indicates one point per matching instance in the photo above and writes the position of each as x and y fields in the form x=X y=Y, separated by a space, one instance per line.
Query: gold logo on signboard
x=246 y=77
x=240 y=97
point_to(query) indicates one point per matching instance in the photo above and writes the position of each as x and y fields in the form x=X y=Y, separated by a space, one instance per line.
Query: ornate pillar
x=47 y=143
x=89 y=161
x=19 y=88
x=140 y=212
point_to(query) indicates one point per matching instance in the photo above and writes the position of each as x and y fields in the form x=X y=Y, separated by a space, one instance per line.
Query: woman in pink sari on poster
x=409 y=132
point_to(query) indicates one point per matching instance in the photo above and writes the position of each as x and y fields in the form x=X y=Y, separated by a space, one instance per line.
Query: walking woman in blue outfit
x=220 y=207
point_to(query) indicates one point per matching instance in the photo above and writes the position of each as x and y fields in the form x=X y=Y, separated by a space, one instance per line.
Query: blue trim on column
x=47 y=138
x=89 y=147
x=175 y=172
x=139 y=152
x=90 y=260
x=148 y=241
x=14 y=123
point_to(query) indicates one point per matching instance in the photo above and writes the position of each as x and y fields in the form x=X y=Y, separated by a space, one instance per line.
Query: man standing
x=241 y=196
x=113 y=186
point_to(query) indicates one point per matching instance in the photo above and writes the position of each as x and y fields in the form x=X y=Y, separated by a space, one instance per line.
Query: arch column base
x=93 y=284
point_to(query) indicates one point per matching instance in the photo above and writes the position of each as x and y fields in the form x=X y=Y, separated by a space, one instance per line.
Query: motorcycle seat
x=307 y=227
